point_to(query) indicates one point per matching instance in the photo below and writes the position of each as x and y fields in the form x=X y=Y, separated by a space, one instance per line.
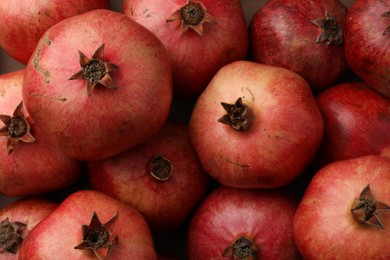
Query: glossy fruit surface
x=301 y=35
x=367 y=33
x=243 y=224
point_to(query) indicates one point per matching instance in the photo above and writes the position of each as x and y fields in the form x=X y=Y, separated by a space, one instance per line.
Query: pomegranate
x=89 y=224
x=356 y=121
x=367 y=44
x=342 y=213
x=16 y=221
x=162 y=177
x=256 y=126
x=98 y=84
x=301 y=35
x=243 y=224
x=24 y=21
x=200 y=36
x=30 y=164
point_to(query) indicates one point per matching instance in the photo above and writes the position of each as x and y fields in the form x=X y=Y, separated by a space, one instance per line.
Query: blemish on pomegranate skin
x=37 y=57
x=238 y=164
x=52 y=98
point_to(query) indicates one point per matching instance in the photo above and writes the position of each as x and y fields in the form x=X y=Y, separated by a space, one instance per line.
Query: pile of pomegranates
x=194 y=129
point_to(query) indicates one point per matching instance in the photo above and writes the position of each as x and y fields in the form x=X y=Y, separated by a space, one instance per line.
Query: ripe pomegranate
x=98 y=84
x=30 y=164
x=304 y=36
x=89 y=224
x=356 y=122
x=243 y=224
x=24 y=21
x=367 y=45
x=344 y=211
x=162 y=177
x=16 y=221
x=256 y=126
x=200 y=36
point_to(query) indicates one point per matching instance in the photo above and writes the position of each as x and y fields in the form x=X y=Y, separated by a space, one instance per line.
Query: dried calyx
x=366 y=209
x=16 y=128
x=387 y=15
x=161 y=168
x=192 y=15
x=98 y=237
x=236 y=116
x=10 y=235
x=241 y=248
x=95 y=70
x=331 y=33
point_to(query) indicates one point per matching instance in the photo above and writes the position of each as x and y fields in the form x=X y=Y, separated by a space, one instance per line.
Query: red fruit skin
x=107 y=122
x=367 y=50
x=281 y=34
x=195 y=58
x=285 y=132
x=164 y=204
x=356 y=122
x=265 y=216
x=24 y=21
x=32 y=168
x=323 y=225
x=58 y=234
x=29 y=211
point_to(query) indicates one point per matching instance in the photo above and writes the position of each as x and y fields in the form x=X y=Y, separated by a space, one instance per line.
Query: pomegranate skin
x=58 y=234
x=24 y=21
x=285 y=126
x=282 y=34
x=32 y=168
x=29 y=211
x=109 y=121
x=165 y=204
x=366 y=48
x=263 y=215
x=324 y=227
x=356 y=123
x=195 y=58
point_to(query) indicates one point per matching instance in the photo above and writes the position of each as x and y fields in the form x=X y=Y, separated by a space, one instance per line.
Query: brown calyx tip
x=366 y=209
x=98 y=237
x=242 y=248
x=236 y=116
x=95 y=70
x=161 y=168
x=10 y=235
x=192 y=15
x=331 y=33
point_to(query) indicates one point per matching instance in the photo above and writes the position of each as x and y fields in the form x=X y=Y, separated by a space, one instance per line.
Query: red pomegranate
x=97 y=88
x=24 y=21
x=90 y=225
x=304 y=36
x=162 y=177
x=30 y=164
x=367 y=43
x=200 y=36
x=243 y=224
x=17 y=219
x=356 y=122
x=256 y=126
